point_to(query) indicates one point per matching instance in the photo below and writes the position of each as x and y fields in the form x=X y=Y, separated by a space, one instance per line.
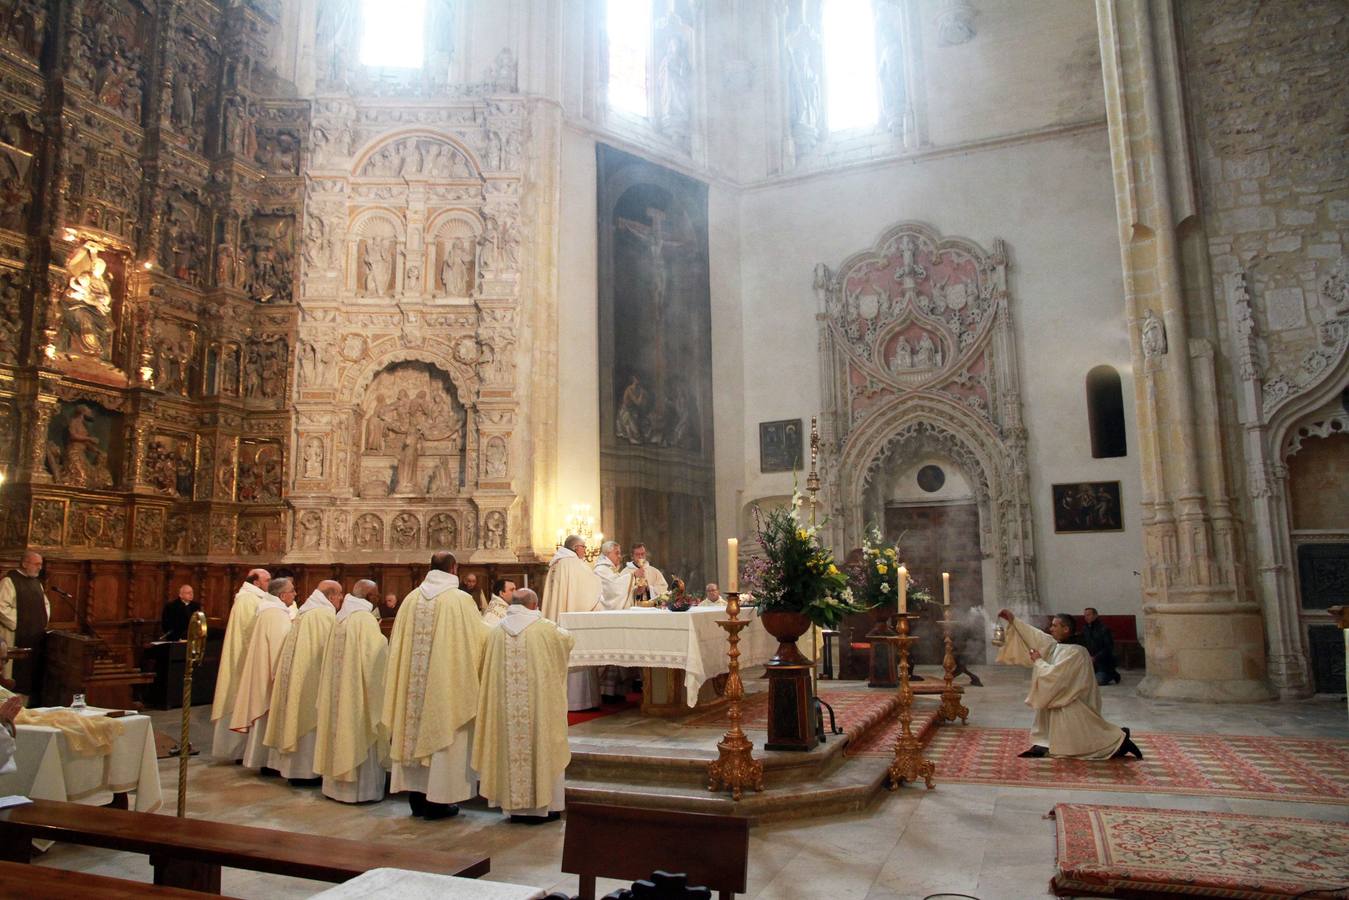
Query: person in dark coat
x=177 y=614
x=1100 y=643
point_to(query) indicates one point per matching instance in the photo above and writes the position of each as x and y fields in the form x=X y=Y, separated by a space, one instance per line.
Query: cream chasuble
x=239 y=628
x=615 y=586
x=1064 y=695
x=520 y=748
x=352 y=742
x=293 y=715
x=573 y=586
x=655 y=579
x=256 y=676
x=496 y=610
x=431 y=690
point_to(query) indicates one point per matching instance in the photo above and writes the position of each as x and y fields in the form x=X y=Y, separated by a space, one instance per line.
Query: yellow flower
x=881 y=570
x=801 y=534
x=833 y=569
x=890 y=552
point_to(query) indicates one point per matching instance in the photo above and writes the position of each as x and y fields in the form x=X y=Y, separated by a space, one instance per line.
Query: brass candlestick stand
x=735 y=767
x=196 y=649
x=909 y=764
x=951 y=707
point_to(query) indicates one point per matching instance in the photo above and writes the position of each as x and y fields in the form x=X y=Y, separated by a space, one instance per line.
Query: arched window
x=391 y=33
x=627 y=29
x=1105 y=413
x=852 y=96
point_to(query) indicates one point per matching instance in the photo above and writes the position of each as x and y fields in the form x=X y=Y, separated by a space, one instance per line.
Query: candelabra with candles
x=582 y=524
x=735 y=767
x=908 y=764
x=813 y=488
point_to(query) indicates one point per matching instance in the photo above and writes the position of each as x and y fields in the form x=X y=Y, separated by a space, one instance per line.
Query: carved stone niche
x=84 y=445
x=452 y=255
x=413 y=434
x=376 y=244
x=261 y=468
x=89 y=305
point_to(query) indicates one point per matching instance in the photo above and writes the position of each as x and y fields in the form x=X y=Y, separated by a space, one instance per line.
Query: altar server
x=431 y=692
x=352 y=742
x=228 y=744
x=656 y=583
x=572 y=586
x=520 y=748
x=1063 y=693
x=500 y=604
x=293 y=716
x=258 y=672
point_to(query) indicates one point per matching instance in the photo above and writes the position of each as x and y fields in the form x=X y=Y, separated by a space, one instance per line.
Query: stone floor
x=989 y=843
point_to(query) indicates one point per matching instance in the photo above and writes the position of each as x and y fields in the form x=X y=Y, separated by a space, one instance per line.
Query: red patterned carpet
x=1266 y=768
x=854 y=711
x=1109 y=851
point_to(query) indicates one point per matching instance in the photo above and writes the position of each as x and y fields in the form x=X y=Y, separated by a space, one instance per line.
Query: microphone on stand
x=69 y=599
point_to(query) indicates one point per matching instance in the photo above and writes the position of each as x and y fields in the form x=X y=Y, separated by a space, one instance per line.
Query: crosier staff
x=196 y=650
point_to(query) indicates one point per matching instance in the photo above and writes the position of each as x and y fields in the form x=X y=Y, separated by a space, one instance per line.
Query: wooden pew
x=630 y=843
x=189 y=853
x=44 y=883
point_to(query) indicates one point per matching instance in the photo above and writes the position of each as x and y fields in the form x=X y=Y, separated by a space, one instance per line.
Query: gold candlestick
x=909 y=764
x=951 y=707
x=735 y=767
x=196 y=650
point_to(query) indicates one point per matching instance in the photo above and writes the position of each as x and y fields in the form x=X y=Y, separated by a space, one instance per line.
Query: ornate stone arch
x=917 y=355
x=399 y=142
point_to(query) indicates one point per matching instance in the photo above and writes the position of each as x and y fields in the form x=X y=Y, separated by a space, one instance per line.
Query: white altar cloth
x=48 y=770
x=401 y=884
x=660 y=639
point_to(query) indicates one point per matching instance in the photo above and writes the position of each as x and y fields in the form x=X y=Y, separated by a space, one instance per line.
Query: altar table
x=48 y=770
x=657 y=639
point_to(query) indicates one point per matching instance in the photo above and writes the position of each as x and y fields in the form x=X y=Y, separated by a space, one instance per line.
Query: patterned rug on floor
x=1108 y=851
x=1218 y=765
x=881 y=741
x=854 y=711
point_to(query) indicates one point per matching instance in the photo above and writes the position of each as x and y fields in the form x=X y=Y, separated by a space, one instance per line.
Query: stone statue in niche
x=377 y=267
x=502 y=74
x=927 y=355
x=309 y=530
x=340 y=533
x=77 y=446
x=11 y=317
x=176 y=535
x=86 y=305
x=259 y=479
x=894 y=82
x=369 y=532
x=183 y=110
x=494 y=531
x=313 y=458
x=496 y=458
x=441 y=532
x=1154 y=335
x=265 y=369
x=674 y=87
x=803 y=52
x=456 y=268
x=404 y=531
x=413 y=426
x=168 y=466
x=270 y=243
x=903 y=358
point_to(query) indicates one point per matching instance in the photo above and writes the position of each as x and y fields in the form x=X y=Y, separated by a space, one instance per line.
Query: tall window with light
x=392 y=33
x=628 y=38
x=851 y=81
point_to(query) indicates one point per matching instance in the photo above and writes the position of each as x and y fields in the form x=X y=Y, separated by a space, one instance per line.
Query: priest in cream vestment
x=352 y=742
x=656 y=583
x=572 y=586
x=254 y=699
x=431 y=692
x=293 y=717
x=617 y=590
x=1063 y=693
x=520 y=748
x=229 y=744
x=500 y=603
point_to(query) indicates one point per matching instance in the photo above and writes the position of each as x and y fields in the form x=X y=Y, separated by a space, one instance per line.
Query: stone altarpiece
x=151 y=190
x=918 y=360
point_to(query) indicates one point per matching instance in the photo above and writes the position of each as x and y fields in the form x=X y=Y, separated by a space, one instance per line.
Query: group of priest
x=458 y=701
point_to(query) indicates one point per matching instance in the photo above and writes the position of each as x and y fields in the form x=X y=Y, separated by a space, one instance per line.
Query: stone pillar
x=1203 y=633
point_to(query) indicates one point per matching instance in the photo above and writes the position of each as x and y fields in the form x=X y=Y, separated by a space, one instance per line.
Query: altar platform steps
x=664 y=766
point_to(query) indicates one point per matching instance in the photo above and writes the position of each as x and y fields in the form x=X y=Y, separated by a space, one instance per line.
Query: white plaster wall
x=1051 y=200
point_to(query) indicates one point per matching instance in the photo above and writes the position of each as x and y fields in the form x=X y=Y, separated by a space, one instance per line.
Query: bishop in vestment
x=520 y=748
x=431 y=692
x=1063 y=693
x=572 y=586
x=617 y=589
x=238 y=629
x=639 y=566
x=293 y=716
x=254 y=698
x=352 y=741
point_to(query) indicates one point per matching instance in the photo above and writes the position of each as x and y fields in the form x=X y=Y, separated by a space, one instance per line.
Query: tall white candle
x=903 y=589
x=733 y=565
x=946 y=588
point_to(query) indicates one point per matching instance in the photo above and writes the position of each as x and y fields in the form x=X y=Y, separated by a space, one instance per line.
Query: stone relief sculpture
x=414 y=432
x=494 y=531
x=456 y=268
x=896 y=107
x=168 y=465
x=78 y=446
x=1153 y=335
x=441 y=532
x=313 y=458
x=405 y=531
x=309 y=530
x=804 y=55
x=260 y=472
x=369 y=532
x=955 y=22
x=496 y=457
x=86 y=305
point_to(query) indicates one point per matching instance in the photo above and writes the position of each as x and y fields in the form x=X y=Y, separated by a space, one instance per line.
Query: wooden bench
x=44 y=883
x=630 y=843
x=189 y=853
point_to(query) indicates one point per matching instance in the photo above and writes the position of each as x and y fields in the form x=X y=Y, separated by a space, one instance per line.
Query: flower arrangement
x=875 y=576
x=796 y=573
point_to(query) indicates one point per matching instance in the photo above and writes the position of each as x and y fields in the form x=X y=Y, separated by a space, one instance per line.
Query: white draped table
x=659 y=639
x=47 y=769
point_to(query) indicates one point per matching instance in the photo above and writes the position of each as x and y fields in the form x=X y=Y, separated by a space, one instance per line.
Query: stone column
x=1203 y=633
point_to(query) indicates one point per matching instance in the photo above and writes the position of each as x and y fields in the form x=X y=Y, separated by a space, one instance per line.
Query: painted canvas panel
x=655 y=363
x=780 y=445
x=1087 y=506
